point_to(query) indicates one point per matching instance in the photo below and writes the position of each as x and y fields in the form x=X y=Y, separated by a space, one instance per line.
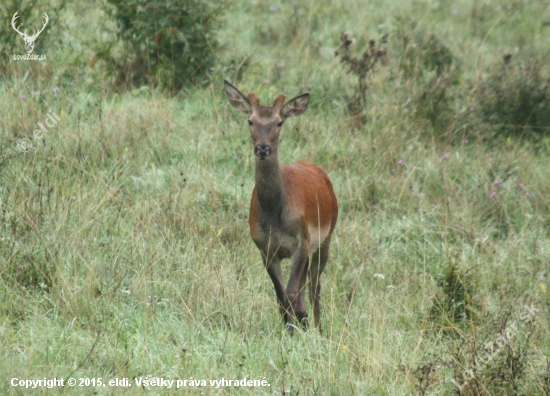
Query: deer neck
x=269 y=184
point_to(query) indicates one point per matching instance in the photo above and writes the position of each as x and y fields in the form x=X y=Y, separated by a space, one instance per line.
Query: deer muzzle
x=262 y=151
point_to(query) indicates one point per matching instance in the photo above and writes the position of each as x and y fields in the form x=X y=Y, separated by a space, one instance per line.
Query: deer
x=293 y=210
x=29 y=40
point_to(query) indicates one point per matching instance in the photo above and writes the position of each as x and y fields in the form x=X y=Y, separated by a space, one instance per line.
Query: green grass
x=124 y=237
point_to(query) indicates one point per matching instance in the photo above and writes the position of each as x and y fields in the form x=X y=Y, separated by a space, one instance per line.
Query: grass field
x=124 y=239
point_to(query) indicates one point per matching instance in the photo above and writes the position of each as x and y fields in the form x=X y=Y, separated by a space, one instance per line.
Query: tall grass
x=124 y=238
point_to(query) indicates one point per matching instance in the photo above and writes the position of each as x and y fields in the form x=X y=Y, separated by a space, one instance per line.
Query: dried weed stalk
x=362 y=67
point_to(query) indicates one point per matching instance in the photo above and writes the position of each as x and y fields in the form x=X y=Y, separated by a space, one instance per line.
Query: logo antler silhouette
x=29 y=40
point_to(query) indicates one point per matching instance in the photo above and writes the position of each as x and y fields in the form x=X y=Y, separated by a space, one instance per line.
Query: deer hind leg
x=316 y=268
x=273 y=267
x=301 y=311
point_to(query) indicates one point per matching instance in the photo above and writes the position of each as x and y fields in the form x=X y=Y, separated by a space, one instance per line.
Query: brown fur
x=311 y=197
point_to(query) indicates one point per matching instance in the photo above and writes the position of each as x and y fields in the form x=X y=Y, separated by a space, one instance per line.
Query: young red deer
x=293 y=210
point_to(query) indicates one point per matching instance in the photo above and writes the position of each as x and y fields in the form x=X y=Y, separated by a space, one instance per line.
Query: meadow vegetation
x=124 y=246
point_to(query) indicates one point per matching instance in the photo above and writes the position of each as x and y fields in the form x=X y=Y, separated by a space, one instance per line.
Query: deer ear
x=296 y=106
x=236 y=98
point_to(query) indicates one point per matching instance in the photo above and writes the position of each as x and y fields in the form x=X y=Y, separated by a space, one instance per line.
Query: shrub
x=167 y=43
x=515 y=97
x=418 y=52
x=431 y=67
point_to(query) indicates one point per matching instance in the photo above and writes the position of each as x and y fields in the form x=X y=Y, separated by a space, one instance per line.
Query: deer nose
x=262 y=150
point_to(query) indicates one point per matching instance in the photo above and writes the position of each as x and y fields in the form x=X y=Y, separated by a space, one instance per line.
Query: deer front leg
x=273 y=267
x=296 y=285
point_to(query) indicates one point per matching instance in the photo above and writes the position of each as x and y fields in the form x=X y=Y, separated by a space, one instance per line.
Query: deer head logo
x=29 y=40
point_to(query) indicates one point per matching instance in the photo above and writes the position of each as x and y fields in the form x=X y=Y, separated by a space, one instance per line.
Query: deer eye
x=280 y=123
x=249 y=122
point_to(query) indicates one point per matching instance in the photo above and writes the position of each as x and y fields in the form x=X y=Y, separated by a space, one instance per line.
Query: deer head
x=29 y=40
x=265 y=121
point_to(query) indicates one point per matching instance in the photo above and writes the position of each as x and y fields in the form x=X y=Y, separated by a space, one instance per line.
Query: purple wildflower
x=521 y=185
x=497 y=182
x=446 y=156
x=22 y=96
x=400 y=162
x=466 y=141
x=491 y=159
x=55 y=89
x=493 y=192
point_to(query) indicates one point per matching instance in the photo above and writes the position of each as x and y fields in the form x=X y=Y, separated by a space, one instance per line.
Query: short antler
x=279 y=102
